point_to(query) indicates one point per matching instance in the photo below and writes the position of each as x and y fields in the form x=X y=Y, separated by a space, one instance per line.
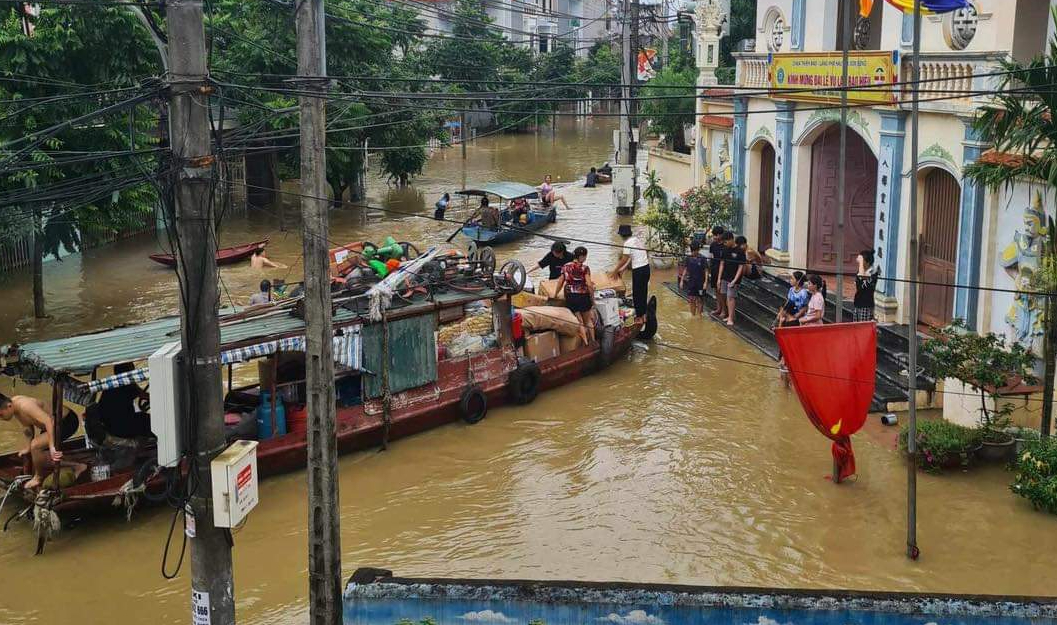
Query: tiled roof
x=717 y=121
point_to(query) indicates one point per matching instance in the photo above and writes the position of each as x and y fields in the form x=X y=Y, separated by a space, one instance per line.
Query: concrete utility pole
x=845 y=45
x=38 y=265
x=212 y=589
x=633 y=105
x=627 y=72
x=462 y=132
x=912 y=339
x=324 y=536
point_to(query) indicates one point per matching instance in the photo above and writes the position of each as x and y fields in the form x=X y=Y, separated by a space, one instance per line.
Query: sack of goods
x=608 y=310
x=543 y=318
x=472 y=334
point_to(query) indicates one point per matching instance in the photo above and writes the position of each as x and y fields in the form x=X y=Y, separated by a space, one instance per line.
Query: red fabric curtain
x=832 y=368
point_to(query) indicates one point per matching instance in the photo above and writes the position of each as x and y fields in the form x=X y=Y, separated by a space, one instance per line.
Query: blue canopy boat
x=539 y=216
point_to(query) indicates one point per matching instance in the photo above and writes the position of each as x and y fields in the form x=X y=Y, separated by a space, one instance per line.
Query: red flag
x=832 y=368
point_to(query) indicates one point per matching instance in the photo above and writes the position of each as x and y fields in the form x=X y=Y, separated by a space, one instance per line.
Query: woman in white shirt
x=816 y=306
x=634 y=255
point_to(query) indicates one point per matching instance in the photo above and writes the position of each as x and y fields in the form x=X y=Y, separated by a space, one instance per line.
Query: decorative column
x=889 y=192
x=738 y=157
x=783 y=172
x=970 y=233
x=708 y=22
x=796 y=35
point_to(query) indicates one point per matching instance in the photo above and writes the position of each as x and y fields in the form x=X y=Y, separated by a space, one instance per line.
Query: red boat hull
x=361 y=427
x=225 y=256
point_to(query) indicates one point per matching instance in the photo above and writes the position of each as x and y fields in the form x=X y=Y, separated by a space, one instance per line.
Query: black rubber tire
x=473 y=405
x=650 y=327
x=524 y=383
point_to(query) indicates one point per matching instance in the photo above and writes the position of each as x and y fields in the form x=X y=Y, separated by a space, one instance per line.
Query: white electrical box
x=234 y=476
x=624 y=187
x=167 y=419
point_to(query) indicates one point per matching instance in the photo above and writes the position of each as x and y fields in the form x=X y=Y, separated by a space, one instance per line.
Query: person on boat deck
x=263 y=296
x=633 y=255
x=549 y=195
x=592 y=178
x=575 y=282
x=488 y=215
x=116 y=409
x=555 y=260
x=260 y=261
x=441 y=206
x=42 y=447
x=519 y=210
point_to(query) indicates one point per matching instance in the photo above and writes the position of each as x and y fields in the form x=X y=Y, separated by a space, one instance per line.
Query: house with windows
x=786 y=139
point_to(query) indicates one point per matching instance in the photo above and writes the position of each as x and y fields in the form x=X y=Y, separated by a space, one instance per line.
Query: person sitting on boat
x=549 y=195
x=555 y=259
x=260 y=261
x=519 y=211
x=592 y=178
x=488 y=215
x=263 y=296
x=116 y=413
x=575 y=283
x=42 y=448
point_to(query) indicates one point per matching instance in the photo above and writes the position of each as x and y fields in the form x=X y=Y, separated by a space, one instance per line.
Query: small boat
x=539 y=216
x=225 y=256
x=457 y=358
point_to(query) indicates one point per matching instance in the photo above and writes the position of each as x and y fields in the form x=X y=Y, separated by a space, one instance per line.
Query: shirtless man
x=260 y=261
x=31 y=414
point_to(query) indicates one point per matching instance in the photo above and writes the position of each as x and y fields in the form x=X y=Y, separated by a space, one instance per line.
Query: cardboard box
x=567 y=344
x=542 y=346
x=602 y=281
x=548 y=289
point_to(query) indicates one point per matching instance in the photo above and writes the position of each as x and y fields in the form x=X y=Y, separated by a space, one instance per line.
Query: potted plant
x=943 y=445
x=1036 y=478
x=986 y=364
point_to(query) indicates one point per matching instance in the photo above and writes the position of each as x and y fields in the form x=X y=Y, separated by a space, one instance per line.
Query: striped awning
x=348 y=352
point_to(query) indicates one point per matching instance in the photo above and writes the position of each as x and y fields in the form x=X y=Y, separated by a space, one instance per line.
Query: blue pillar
x=796 y=36
x=970 y=233
x=889 y=195
x=738 y=157
x=783 y=173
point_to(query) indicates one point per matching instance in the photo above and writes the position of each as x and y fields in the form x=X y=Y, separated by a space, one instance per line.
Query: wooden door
x=861 y=198
x=765 y=235
x=939 y=247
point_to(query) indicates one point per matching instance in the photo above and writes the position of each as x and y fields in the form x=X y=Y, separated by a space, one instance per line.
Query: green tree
x=1020 y=122
x=742 y=27
x=79 y=59
x=667 y=111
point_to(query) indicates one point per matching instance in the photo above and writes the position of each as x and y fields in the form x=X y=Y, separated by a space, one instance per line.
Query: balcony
x=947 y=78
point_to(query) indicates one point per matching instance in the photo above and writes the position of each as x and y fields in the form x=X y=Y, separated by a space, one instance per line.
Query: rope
x=15 y=484
x=45 y=521
x=387 y=396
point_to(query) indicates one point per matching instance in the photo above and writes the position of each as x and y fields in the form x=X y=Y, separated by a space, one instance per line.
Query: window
x=609 y=21
x=959 y=27
x=544 y=43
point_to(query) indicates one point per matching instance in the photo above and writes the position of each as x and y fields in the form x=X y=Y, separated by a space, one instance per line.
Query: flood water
x=668 y=467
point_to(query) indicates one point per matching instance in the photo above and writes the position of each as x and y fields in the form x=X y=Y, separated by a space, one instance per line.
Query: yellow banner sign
x=816 y=77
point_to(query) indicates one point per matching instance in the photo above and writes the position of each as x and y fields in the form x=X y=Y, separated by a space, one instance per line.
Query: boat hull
x=224 y=256
x=362 y=427
x=506 y=234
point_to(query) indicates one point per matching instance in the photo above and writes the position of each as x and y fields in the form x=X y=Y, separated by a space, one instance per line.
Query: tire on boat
x=650 y=327
x=473 y=405
x=524 y=383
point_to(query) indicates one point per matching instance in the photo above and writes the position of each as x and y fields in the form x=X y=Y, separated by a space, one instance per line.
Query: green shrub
x=942 y=443
x=1036 y=478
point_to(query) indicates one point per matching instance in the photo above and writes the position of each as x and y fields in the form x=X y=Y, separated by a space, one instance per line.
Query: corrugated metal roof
x=505 y=190
x=81 y=354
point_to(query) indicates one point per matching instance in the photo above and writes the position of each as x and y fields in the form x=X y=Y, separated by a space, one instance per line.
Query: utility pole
x=627 y=73
x=845 y=44
x=912 y=341
x=324 y=536
x=633 y=105
x=212 y=588
x=462 y=132
x=38 y=265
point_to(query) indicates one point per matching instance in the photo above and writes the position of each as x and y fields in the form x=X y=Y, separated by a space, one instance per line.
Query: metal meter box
x=167 y=419
x=234 y=477
x=624 y=191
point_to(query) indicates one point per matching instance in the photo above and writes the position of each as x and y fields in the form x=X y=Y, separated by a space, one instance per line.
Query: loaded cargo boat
x=442 y=329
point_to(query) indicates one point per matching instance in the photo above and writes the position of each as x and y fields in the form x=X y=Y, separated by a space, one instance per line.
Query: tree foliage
x=667 y=112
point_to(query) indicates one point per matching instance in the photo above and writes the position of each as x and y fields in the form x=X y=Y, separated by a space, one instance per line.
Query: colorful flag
x=930 y=6
x=832 y=368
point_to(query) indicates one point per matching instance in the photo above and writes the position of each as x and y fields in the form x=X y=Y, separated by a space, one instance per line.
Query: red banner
x=832 y=368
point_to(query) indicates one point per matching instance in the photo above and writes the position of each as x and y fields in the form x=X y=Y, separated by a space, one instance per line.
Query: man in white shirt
x=634 y=256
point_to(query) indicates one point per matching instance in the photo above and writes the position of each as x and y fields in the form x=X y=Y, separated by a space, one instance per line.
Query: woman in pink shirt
x=816 y=306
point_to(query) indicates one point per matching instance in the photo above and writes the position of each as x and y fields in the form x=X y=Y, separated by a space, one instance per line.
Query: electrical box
x=234 y=477
x=167 y=417
x=624 y=192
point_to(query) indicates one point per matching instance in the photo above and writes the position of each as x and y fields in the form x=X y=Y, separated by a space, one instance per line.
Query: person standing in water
x=693 y=279
x=441 y=207
x=260 y=261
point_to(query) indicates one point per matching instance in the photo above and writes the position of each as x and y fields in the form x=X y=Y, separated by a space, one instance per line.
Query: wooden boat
x=225 y=256
x=539 y=216
x=429 y=388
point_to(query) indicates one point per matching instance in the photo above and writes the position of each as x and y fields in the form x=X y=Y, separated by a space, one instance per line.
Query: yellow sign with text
x=816 y=77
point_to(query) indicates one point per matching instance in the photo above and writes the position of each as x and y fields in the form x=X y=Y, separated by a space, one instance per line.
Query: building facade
x=786 y=148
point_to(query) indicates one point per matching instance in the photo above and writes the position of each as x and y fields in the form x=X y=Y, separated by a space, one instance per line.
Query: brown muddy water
x=668 y=467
